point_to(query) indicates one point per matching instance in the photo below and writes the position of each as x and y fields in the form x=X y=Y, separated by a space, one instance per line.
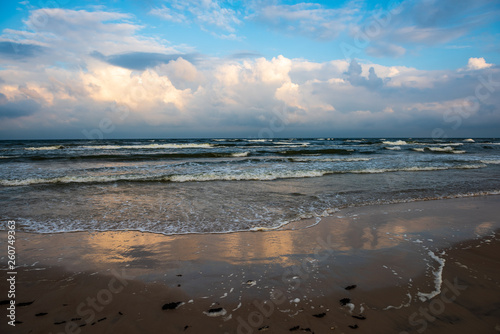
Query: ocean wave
x=149 y=146
x=294 y=144
x=255 y=175
x=45 y=148
x=329 y=159
x=317 y=152
x=120 y=147
x=240 y=154
x=437 y=144
x=397 y=142
x=393 y=148
x=414 y=169
x=354 y=140
x=446 y=149
x=470 y=140
x=492 y=162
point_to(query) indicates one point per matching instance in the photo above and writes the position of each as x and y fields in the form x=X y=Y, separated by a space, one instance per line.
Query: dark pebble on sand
x=215 y=310
x=295 y=328
x=345 y=301
x=17 y=322
x=186 y=327
x=84 y=325
x=360 y=317
x=353 y=326
x=264 y=328
x=180 y=275
x=60 y=322
x=350 y=287
x=102 y=319
x=41 y=314
x=171 y=306
x=25 y=303
x=319 y=315
x=120 y=313
x=76 y=319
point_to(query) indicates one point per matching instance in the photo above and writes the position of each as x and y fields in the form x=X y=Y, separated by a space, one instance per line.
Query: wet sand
x=421 y=267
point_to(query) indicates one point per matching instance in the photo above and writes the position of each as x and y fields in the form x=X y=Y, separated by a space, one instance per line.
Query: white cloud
x=309 y=19
x=214 y=94
x=477 y=64
x=212 y=13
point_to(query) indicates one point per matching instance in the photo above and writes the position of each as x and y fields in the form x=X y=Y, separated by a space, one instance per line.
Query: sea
x=223 y=185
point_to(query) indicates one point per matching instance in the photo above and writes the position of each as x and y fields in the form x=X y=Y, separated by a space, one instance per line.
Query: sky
x=252 y=68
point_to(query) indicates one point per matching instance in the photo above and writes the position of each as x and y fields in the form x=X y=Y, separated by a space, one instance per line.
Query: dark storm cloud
x=140 y=60
x=20 y=50
x=355 y=78
x=17 y=108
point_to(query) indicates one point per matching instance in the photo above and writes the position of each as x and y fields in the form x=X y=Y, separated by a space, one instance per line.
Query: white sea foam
x=265 y=176
x=438 y=144
x=418 y=149
x=330 y=159
x=393 y=148
x=71 y=179
x=400 y=306
x=397 y=142
x=256 y=174
x=45 y=148
x=150 y=146
x=470 y=140
x=240 y=154
x=492 y=162
x=446 y=149
x=415 y=169
x=438 y=279
x=217 y=313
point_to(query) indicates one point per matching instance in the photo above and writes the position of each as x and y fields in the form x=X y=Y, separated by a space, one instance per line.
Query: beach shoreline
x=429 y=266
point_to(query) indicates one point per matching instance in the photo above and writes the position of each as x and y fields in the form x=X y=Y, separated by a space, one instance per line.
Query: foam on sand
x=438 y=279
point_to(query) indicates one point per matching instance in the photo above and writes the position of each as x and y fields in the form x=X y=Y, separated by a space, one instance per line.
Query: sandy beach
x=420 y=267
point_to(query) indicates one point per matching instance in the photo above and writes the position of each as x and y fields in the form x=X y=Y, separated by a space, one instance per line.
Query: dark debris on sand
x=41 y=314
x=345 y=301
x=350 y=287
x=171 y=306
x=296 y=328
x=215 y=310
x=353 y=326
x=359 y=317
x=319 y=315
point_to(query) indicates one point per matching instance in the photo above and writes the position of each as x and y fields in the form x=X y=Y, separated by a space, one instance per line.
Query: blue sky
x=114 y=69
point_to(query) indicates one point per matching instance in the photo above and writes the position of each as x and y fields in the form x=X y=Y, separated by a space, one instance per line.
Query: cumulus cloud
x=477 y=64
x=168 y=92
